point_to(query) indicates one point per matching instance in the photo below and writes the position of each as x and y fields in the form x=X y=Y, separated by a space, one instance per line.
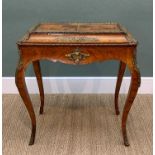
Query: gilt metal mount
x=77 y=56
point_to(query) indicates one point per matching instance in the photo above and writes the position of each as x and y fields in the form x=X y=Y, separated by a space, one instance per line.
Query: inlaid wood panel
x=77 y=43
x=78 y=33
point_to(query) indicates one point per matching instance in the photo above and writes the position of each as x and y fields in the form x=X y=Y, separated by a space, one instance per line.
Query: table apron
x=76 y=54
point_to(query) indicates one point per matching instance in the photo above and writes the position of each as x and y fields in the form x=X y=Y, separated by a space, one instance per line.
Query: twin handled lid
x=78 y=33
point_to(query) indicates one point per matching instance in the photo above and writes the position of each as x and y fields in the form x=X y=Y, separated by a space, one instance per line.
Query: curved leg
x=121 y=71
x=21 y=85
x=135 y=83
x=37 y=70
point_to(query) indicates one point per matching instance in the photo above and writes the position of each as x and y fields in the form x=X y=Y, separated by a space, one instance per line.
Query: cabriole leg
x=21 y=85
x=135 y=83
x=37 y=70
x=121 y=71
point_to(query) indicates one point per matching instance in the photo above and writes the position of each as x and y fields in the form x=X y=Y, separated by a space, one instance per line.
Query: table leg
x=21 y=85
x=37 y=70
x=134 y=84
x=121 y=71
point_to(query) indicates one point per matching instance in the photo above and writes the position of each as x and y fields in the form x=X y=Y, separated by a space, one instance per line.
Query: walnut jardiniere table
x=77 y=44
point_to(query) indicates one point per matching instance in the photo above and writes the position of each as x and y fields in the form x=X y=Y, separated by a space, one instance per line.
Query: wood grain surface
x=87 y=43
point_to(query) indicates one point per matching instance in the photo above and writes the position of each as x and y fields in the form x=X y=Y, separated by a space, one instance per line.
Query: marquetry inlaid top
x=78 y=33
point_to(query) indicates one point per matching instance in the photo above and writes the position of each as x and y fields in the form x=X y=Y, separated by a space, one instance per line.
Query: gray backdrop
x=20 y=15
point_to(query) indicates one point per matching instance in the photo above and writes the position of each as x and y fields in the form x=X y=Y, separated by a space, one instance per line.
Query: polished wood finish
x=78 y=43
x=21 y=85
x=121 y=71
x=78 y=33
x=37 y=70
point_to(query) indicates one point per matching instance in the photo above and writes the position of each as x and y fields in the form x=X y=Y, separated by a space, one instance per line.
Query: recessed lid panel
x=90 y=28
x=77 y=33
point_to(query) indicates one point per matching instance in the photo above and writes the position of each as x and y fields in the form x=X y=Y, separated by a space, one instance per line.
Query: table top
x=78 y=33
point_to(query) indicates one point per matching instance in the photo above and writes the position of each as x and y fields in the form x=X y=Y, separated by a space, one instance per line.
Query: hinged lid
x=78 y=33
